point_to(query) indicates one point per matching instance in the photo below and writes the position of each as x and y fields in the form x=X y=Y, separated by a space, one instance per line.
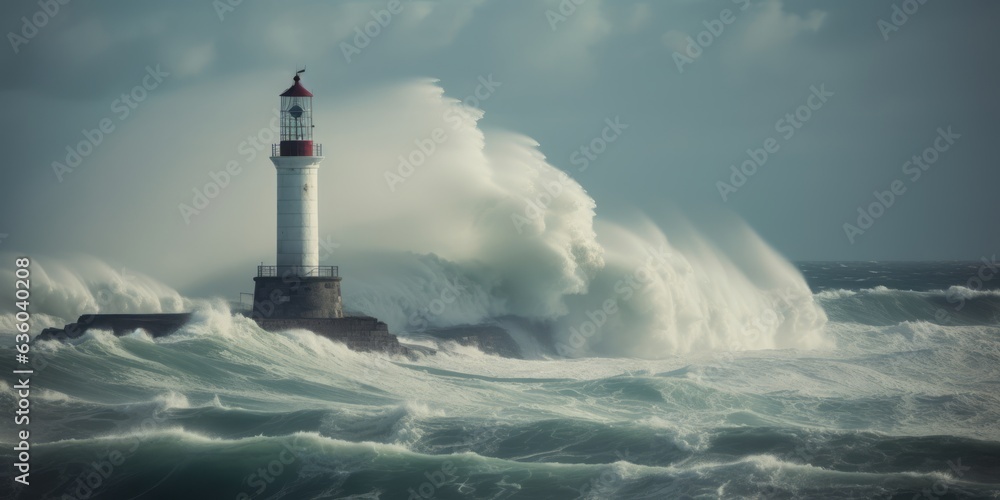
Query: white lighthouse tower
x=298 y=286
x=297 y=160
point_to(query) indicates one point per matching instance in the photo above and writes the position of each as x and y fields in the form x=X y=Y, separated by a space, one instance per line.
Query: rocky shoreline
x=158 y=325
x=359 y=333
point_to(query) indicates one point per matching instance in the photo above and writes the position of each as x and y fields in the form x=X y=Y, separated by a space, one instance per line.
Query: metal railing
x=297 y=271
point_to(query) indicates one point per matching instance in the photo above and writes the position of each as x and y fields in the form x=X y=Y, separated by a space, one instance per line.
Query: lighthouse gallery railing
x=297 y=271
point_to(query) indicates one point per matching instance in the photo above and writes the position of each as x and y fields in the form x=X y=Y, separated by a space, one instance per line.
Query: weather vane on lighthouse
x=297 y=286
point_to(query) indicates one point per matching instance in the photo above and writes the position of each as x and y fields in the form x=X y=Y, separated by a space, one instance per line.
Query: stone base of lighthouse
x=314 y=303
x=295 y=297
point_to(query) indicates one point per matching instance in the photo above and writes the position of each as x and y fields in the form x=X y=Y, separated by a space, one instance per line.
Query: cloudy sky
x=842 y=93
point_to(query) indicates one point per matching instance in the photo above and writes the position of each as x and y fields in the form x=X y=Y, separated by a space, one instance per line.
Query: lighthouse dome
x=296 y=90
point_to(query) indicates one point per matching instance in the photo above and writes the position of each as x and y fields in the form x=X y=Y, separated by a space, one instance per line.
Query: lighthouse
x=297 y=160
x=297 y=286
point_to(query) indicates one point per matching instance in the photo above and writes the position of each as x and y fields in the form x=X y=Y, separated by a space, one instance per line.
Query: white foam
x=835 y=294
x=172 y=400
x=961 y=292
x=65 y=288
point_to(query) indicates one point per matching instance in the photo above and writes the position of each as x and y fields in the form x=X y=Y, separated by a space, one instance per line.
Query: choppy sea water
x=905 y=405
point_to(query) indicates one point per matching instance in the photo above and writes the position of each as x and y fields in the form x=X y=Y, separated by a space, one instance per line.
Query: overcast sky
x=872 y=87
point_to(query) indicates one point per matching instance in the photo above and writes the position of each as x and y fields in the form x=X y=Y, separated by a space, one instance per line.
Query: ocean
x=903 y=402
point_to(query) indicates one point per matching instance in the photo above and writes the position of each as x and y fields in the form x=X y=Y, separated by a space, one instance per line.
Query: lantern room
x=296 y=121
